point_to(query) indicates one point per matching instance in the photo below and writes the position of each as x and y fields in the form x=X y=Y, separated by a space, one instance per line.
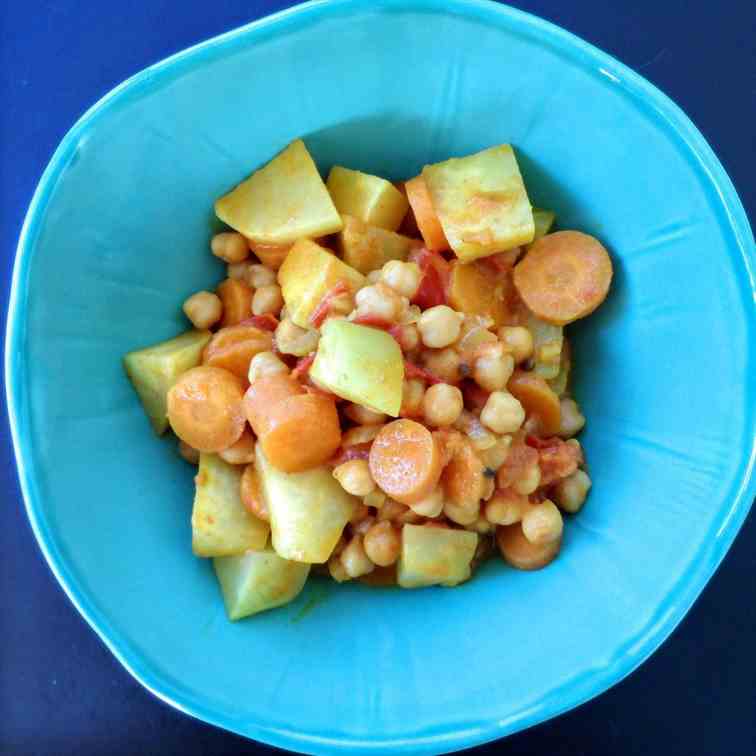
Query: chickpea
x=259 y=275
x=480 y=437
x=529 y=481
x=493 y=457
x=505 y=508
x=413 y=392
x=443 y=363
x=267 y=299
x=189 y=453
x=403 y=278
x=432 y=505
x=378 y=301
x=382 y=544
x=518 y=340
x=355 y=477
x=265 y=363
x=493 y=369
x=354 y=559
x=572 y=419
x=570 y=492
x=462 y=515
x=408 y=337
x=502 y=413
x=364 y=416
x=542 y=523
x=374 y=276
x=442 y=405
x=439 y=326
x=291 y=339
x=204 y=309
x=230 y=246
x=336 y=569
x=238 y=271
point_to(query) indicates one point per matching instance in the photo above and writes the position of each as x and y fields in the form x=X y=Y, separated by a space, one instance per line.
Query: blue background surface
x=60 y=690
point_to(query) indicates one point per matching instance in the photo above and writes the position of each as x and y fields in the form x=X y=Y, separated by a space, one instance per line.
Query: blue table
x=60 y=691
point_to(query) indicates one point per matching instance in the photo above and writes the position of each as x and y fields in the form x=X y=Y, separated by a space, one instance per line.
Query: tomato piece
x=321 y=312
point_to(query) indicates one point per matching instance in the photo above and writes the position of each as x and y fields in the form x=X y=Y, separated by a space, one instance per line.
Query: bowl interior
x=118 y=237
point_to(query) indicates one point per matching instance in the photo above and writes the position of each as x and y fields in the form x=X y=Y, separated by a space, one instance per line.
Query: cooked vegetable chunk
x=369 y=198
x=221 y=524
x=367 y=248
x=284 y=201
x=308 y=273
x=258 y=580
x=547 y=345
x=435 y=556
x=153 y=370
x=538 y=399
x=425 y=215
x=543 y=220
x=362 y=364
x=481 y=202
x=308 y=510
x=472 y=291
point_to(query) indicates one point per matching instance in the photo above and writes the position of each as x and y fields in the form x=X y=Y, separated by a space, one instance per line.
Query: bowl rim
x=645 y=95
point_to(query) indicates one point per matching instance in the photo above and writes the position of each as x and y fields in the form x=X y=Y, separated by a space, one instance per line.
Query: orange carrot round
x=537 y=398
x=237 y=301
x=519 y=552
x=425 y=216
x=233 y=348
x=405 y=461
x=205 y=408
x=251 y=493
x=462 y=478
x=564 y=276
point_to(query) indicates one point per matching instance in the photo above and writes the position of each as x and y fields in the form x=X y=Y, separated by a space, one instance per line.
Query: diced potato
x=369 y=198
x=543 y=220
x=547 y=346
x=481 y=202
x=367 y=248
x=221 y=525
x=258 y=580
x=435 y=556
x=308 y=510
x=362 y=364
x=472 y=291
x=153 y=370
x=284 y=201
x=307 y=274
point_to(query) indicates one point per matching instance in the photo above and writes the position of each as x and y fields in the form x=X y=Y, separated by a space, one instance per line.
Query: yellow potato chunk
x=368 y=248
x=481 y=202
x=221 y=525
x=284 y=201
x=369 y=198
x=307 y=274
x=258 y=580
x=153 y=370
x=435 y=556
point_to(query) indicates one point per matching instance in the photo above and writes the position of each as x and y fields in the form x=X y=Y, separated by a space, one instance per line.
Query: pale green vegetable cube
x=284 y=201
x=369 y=198
x=258 y=580
x=543 y=220
x=153 y=370
x=435 y=556
x=362 y=364
x=547 y=346
x=221 y=524
x=308 y=510
x=481 y=202
x=368 y=248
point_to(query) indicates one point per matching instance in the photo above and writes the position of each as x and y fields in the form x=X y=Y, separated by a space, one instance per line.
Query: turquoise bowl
x=117 y=235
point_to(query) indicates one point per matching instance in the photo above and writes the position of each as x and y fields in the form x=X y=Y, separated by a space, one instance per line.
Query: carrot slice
x=251 y=493
x=233 y=348
x=425 y=216
x=237 y=301
x=205 y=408
x=537 y=398
x=264 y=394
x=519 y=552
x=271 y=255
x=564 y=276
x=405 y=461
x=462 y=478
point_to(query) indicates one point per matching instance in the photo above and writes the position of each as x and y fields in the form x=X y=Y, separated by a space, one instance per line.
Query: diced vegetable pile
x=379 y=388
